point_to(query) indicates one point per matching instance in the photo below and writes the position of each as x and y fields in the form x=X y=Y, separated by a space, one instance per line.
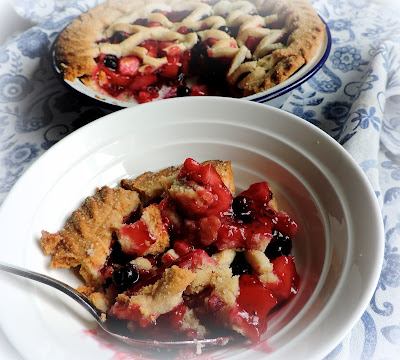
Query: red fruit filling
x=125 y=80
x=128 y=76
x=202 y=219
x=252 y=43
x=139 y=239
x=287 y=285
x=128 y=65
x=194 y=260
x=253 y=305
x=213 y=198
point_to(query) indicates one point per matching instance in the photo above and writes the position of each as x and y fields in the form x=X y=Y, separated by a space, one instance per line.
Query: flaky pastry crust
x=152 y=185
x=86 y=238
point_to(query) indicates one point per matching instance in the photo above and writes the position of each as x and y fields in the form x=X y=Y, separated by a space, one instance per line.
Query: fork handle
x=59 y=285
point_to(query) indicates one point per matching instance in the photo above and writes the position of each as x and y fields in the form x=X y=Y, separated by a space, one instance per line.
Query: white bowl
x=338 y=253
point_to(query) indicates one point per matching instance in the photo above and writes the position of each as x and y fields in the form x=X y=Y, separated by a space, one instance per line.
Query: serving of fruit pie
x=141 y=50
x=177 y=254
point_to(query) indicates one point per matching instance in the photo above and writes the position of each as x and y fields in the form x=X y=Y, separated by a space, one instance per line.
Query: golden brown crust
x=285 y=63
x=86 y=238
x=261 y=266
x=151 y=185
x=305 y=27
x=224 y=170
x=191 y=322
x=161 y=297
x=76 y=47
x=81 y=41
x=102 y=300
x=151 y=217
x=306 y=35
x=220 y=278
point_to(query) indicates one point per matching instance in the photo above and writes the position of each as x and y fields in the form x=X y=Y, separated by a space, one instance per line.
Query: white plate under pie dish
x=338 y=253
x=302 y=75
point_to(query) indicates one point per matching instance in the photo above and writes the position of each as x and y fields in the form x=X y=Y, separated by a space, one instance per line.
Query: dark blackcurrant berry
x=133 y=216
x=241 y=208
x=225 y=29
x=125 y=276
x=111 y=62
x=200 y=48
x=279 y=245
x=239 y=265
x=182 y=91
x=119 y=36
x=117 y=256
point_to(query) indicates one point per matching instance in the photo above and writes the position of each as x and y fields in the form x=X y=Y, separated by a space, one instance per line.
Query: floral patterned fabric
x=355 y=98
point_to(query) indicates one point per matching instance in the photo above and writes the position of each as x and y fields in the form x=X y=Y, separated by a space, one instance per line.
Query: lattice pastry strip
x=198 y=11
x=142 y=34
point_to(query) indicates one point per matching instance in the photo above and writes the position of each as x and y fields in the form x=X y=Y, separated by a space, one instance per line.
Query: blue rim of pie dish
x=260 y=99
x=307 y=76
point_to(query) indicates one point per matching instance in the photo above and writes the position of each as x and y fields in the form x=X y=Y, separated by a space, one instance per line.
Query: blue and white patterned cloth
x=355 y=98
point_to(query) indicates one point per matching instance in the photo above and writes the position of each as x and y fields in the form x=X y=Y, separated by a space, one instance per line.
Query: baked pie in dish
x=142 y=50
x=176 y=254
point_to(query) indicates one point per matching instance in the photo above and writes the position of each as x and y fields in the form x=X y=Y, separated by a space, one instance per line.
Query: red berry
x=254 y=304
x=170 y=70
x=285 y=270
x=152 y=47
x=211 y=41
x=135 y=239
x=285 y=224
x=142 y=82
x=194 y=260
x=182 y=247
x=252 y=42
x=183 y=30
x=153 y=24
x=128 y=65
x=114 y=77
x=163 y=45
x=260 y=195
x=215 y=197
x=145 y=96
x=185 y=61
x=198 y=90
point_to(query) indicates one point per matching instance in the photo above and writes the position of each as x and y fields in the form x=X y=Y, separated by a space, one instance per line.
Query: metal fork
x=104 y=321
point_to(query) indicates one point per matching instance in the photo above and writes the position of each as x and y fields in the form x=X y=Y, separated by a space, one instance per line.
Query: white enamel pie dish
x=338 y=253
x=303 y=74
